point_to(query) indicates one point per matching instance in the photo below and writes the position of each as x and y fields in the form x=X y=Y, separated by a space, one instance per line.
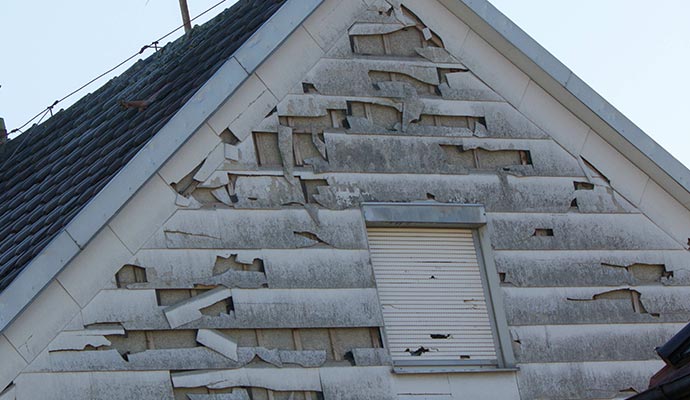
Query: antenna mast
x=3 y=132
x=185 y=16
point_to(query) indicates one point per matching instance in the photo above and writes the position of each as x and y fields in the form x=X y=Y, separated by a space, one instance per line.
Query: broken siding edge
x=145 y=164
x=561 y=83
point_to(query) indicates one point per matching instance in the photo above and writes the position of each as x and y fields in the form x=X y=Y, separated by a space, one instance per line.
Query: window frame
x=444 y=216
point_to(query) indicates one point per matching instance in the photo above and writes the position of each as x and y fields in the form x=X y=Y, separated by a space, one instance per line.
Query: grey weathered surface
x=574 y=306
x=381 y=154
x=357 y=383
x=181 y=359
x=307 y=309
x=578 y=232
x=498 y=192
x=592 y=268
x=260 y=192
x=253 y=308
x=246 y=229
x=318 y=268
x=237 y=394
x=563 y=343
x=371 y=357
x=281 y=380
x=94 y=385
x=598 y=380
x=273 y=220
x=285 y=268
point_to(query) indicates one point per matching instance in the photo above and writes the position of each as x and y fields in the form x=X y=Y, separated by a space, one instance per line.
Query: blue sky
x=635 y=55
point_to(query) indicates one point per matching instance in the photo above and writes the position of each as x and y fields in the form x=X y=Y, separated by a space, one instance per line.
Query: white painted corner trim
x=98 y=212
x=571 y=91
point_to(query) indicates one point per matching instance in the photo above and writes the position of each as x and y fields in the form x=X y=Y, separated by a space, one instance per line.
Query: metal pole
x=185 y=16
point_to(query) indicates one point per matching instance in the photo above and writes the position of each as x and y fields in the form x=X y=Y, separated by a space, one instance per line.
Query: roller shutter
x=431 y=292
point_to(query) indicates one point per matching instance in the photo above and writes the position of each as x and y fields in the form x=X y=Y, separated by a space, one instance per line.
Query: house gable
x=228 y=211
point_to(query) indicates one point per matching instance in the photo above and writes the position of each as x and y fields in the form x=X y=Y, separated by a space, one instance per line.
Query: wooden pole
x=185 y=16
x=3 y=132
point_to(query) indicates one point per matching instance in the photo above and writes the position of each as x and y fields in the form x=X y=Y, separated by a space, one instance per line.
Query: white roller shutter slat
x=430 y=287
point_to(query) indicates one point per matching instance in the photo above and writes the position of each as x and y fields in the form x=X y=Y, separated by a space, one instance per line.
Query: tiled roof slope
x=51 y=171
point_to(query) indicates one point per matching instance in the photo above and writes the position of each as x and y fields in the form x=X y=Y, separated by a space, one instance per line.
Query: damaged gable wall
x=241 y=270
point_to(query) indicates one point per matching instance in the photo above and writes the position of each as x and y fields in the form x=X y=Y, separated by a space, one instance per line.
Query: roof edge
x=146 y=163
x=565 y=86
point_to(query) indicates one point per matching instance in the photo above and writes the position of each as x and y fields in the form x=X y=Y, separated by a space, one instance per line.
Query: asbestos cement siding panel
x=583 y=268
x=381 y=154
x=606 y=342
x=284 y=268
x=498 y=192
x=592 y=380
x=95 y=386
x=248 y=229
x=596 y=305
x=315 y=308
x=577 y=232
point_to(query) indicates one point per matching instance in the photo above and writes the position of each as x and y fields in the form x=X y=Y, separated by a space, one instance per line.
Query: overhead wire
x=153 y=45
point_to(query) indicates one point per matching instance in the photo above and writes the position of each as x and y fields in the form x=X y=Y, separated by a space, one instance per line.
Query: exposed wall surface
x=242 y=271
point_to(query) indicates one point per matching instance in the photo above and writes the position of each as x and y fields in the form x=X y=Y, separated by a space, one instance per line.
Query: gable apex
x=235 y=251
x=568 y=89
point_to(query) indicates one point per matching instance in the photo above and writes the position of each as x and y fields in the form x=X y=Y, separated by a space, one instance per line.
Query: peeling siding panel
x=573 y=306
x=252 y=308
x=307 y=309
x=318 y=268
x=285 y=268
x=381 y=154
x=179 y=359
x=266 y=254
x=583 y=268
x=578 y=232
x=247 y=229
x=357 y=383
x=94 y=386
x=498 y=192
x=282 y=380
x=607 y=342
x=597 y=380
x=124 y=306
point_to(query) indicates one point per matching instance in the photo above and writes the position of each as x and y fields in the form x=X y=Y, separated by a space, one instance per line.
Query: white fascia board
x=273 y=32
x=566 y=87
x=98 y=212
x=36 y=276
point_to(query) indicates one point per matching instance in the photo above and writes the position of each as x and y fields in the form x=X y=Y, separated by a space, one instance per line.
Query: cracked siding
x=259 y=285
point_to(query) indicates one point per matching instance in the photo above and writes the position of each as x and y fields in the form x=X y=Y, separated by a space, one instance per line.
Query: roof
x=144 y=140
x=673 y=381
x=209 y=64
x=51 y=171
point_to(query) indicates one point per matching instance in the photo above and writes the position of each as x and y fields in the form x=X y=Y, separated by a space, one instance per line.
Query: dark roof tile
x=51 y=171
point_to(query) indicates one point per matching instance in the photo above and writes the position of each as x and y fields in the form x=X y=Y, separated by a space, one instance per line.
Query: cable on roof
x=153 y=45
x=148 y=46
